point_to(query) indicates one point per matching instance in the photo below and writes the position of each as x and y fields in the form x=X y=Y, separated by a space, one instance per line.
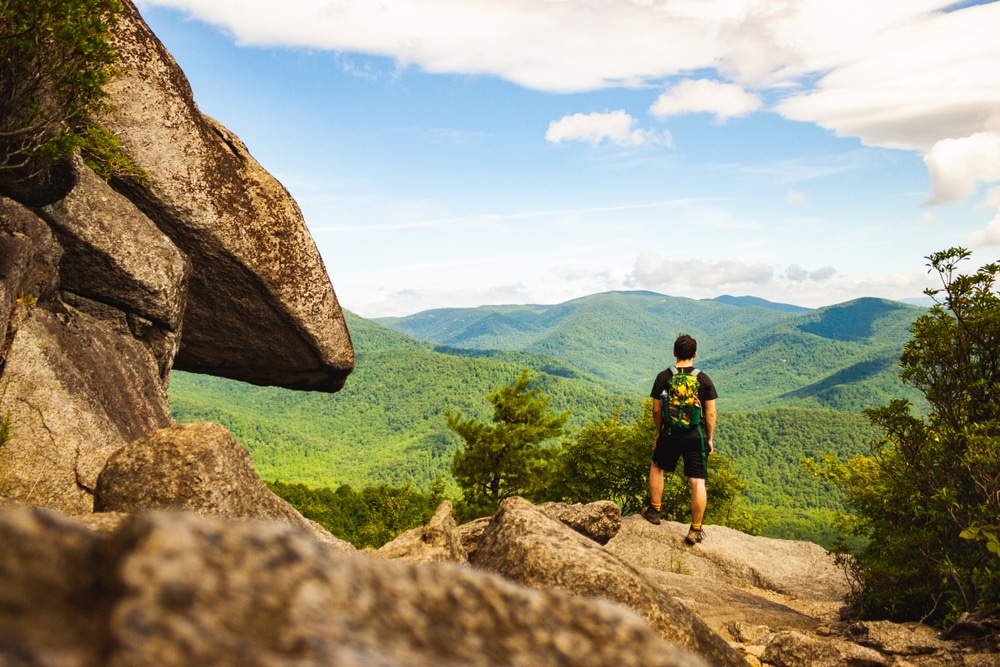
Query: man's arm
x=710 y=414
x=657 y=418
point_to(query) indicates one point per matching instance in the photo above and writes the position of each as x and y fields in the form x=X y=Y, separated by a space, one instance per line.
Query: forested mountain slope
x=841 y=357
x=387 y=426
x=622 y=337
x=776 y=380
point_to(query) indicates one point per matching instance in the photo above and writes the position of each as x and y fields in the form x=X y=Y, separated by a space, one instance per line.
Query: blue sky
x=465 y=152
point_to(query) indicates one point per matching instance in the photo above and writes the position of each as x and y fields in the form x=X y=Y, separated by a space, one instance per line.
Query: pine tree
x=503 y=458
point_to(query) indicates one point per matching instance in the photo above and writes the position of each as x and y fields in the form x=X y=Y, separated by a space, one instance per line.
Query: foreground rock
x=524 y=544
x=438 y=541
x=198 y=467
x=600 y=521
x=179 y=589
x=800 y=570
x=260 y=307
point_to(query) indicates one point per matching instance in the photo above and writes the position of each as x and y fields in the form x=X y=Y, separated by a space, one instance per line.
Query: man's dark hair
x=685 y=347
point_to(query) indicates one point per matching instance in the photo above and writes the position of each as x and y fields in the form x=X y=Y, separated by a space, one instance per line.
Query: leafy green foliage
x=606 y=460
x=367 y=518
x=56 y=58
x=616 y=336
x=769 y=446
x=504 y=458
x=926 y=498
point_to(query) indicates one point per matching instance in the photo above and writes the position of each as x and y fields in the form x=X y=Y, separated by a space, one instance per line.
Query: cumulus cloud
x=724 y=100
x=797 y=274
x=992 y=200
x=987 y=237
x=616 y=127
x=910 y=75
x=656 y=273
x=957 y=166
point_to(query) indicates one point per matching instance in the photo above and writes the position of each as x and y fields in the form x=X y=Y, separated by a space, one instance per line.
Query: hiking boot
x=694 y=536
x=651 y=515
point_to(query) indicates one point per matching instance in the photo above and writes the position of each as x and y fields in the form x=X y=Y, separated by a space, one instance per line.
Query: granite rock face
x=788 y=567
x=181 y=589
x=438 y=541
x=260 y=307
x=525 y=545
x=599 y=520
x=115 y=255
x=200 y=467
x=76 y=390
x=204 y=264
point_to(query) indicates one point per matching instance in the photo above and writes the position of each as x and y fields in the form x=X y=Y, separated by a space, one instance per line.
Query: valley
x=792 y=384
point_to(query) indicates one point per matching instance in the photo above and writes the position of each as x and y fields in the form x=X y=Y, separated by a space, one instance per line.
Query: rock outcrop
x=78 y=383
x=203 y=264
x=200 y=467
x=528 y=546
x=180 y=589
x=600 y=521
x=438 y=541
x=260 y=307
x=788 y=567
x=206 y=265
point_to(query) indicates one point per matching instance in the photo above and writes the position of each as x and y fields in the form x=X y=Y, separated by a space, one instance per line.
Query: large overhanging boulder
x=260 y=307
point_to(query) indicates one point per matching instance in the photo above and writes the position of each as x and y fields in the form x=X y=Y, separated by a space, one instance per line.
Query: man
x=693 y=444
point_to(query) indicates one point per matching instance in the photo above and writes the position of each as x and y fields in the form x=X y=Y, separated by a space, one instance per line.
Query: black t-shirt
x=706 y=392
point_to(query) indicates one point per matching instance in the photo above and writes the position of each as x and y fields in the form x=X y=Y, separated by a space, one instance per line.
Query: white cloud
x=655 y=273
x=724 y=100
x=824 y=273
x=987 y=237
x=617 y=127
x=797 y=274
x=992 y=200
x=957 y=166
x=901 y=74
x=795 y=197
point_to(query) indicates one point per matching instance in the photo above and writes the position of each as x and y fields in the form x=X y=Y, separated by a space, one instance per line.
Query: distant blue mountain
x=745 y=301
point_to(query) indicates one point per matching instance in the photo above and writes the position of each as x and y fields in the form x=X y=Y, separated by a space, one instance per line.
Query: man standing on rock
x=684 y=414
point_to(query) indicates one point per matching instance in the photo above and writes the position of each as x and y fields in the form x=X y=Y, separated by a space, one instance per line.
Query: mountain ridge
x=626 y=337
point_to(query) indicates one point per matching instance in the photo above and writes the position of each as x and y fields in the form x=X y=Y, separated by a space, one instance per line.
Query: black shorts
x=694 y=450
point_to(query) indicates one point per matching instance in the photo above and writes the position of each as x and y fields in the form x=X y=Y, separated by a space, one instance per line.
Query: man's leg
x=699 y=499
x=652 y=513
x=655 y=486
